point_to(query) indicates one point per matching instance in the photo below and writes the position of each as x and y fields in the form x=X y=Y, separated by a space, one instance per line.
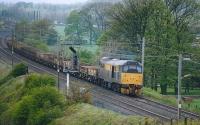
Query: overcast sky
x=47 y=1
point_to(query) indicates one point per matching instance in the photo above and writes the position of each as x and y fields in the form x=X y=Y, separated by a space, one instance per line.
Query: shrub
x=79 y=94
x=5 y=79
x=22 y=110
x=3 y=107
x=19 y=69
x=37 y=80
x=39 y=108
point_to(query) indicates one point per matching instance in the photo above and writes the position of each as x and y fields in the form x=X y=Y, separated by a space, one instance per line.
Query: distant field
x=60 y=30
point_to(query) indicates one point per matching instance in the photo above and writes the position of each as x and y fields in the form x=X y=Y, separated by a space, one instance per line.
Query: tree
x=73 y=30
x=88 y=23
x=41 y=27
x=22 y=29
x=51 y=37
x=37 y=34
x=160 y=36
x=182 y=12
x=40 y=107
x=95 y=19
x=130 y=19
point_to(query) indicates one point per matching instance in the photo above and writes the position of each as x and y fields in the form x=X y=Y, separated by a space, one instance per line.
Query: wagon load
x=48 y=57
x=89 y=70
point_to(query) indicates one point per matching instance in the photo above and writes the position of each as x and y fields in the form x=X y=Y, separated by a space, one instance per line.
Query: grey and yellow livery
x=124 y=75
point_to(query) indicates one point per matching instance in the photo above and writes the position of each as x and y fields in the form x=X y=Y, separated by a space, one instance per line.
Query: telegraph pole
x=67 y=85
x=179 y=83
x=143 y=54
x=58 y=63
x=12 y=51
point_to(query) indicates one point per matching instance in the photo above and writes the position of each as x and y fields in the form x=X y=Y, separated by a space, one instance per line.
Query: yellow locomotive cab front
x=131 y=78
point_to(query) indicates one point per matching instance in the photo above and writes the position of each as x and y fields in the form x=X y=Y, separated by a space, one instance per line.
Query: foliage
x=73 y=29
x=52 y=37
x=37 y=34
x=22 y=29
x=10 y=93
x=41 y=45
x=3 y=107
x=19 y=69
x=88 y=23
x=36 y=80
x=32 y=100
x=78 y=94
x=86 y=57
x=39 y=108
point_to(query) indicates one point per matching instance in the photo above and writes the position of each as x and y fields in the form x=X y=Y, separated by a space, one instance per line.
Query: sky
x=47 y=1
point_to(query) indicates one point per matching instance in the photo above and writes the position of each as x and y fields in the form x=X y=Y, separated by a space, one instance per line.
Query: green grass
x=151 y=94
x=194 y=91
x=193 y=106
x=4 y=70
x=11 y=90
x=85 y=114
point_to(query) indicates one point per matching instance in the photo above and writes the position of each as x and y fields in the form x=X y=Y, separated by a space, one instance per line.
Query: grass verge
x=193 y=106
x=85 y=114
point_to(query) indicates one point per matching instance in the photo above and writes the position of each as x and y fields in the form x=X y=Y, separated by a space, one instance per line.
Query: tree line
x=38 y=34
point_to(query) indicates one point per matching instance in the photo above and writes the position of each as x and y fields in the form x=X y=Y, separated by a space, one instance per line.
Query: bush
x=3 y=107
x=22 y=111
x=39 y=108
x=5 y=79
x=37 y=80
x=79 y=94
x=19 y=69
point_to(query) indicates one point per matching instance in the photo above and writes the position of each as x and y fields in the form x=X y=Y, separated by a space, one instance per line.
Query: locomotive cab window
x=132 y=69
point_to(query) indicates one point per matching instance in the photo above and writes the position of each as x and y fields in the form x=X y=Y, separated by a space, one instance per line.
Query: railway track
x=152 y=106
x=139 y=106
x=184 y=113
x=131 y=106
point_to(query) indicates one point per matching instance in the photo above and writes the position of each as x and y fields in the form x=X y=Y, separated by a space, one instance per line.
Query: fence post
x=171 y=122
x=140 y=123
x=146 y=121
x=185 y=121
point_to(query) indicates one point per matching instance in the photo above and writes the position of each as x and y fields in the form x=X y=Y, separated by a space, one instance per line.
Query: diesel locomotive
x=122 y=76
